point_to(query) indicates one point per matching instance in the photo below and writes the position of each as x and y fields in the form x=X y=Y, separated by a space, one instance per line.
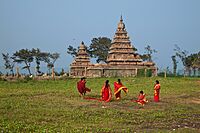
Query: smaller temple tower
x=81 y=62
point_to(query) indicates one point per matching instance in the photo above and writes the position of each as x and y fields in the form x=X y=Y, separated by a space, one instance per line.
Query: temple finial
x=121 y=18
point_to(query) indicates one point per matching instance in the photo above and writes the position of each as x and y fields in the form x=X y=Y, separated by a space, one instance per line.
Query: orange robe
x=141 y=99
x=156 y=92
x=118 y=87
x=106 y=93
x=82 y=88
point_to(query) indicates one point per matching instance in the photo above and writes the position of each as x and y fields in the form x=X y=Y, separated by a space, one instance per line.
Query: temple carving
x=122 y=60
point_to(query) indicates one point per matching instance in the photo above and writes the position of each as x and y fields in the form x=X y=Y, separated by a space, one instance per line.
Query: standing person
x=106 y=93
x=141 y=98
x=118 y=87
x=156 y=91
x=81 y=86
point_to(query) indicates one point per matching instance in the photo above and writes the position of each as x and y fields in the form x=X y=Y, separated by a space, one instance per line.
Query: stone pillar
x=165 y=75
x=145 y=72
x=35 y=72
x=53 y=74
x=156 y=71
x=136 y=71
x=69 y=72
x=17 y=72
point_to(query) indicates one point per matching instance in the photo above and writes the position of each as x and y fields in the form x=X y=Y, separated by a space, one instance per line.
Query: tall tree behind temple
x=9 y=62
x=72 y=51
x=174 y=64
x=24 y=56
x=148 y=56
x=99 y=48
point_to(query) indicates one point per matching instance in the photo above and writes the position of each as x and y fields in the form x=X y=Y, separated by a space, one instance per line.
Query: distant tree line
x=190 y=62
x=26 y=57
x=99 y=49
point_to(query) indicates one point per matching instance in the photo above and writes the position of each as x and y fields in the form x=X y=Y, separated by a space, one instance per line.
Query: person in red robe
x=81 y=86
x=156 y=91
x=106 y=93
x=118 y=87
x=141 y=98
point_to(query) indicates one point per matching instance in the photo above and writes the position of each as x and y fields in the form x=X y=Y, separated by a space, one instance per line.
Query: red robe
x=118 y=87
x=141 y=99
x=156 y=92
x=106 y=93
x=82 y=88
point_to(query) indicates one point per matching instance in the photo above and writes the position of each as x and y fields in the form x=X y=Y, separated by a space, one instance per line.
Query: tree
x=50 y=59
x=182 y=54
x=149 y=51
x=99 y=48
x=39 y=57
x=24 y=56
x=196 y=62
x=174 y=64
x=192 y=62
x=9 y=62
x=72 y=51
x=144 y=57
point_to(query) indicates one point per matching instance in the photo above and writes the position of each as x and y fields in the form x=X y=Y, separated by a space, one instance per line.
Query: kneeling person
x=81 y=86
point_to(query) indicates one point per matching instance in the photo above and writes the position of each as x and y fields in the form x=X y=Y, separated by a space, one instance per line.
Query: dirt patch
x=196 y=100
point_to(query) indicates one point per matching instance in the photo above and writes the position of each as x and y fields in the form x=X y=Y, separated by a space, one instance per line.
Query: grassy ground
x=55 y=106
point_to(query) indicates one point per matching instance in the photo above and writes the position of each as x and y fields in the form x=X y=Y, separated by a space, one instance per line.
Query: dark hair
x=157 y=82
x=83 y=78
x=107 y=81
x=141 y=92
x=119 y=80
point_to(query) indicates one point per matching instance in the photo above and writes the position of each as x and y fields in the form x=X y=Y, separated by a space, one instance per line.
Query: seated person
x=141 y=98
x=81 y=86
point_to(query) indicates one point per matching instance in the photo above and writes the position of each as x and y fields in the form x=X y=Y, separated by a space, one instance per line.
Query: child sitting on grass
x=141 y=98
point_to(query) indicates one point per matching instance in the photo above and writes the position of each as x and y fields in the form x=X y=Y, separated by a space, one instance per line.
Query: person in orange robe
x=141 y=98
x=106 y=93
x=156 y=91
x=81 y=86
x=118 y=87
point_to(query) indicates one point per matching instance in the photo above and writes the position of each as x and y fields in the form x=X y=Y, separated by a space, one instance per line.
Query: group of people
x=106 y=92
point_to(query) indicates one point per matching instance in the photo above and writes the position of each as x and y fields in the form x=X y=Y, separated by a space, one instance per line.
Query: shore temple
x=122 y=60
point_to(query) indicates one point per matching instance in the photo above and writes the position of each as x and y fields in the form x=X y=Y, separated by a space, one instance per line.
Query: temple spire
x=121 y=51
x=121 y=18
x=121 y=25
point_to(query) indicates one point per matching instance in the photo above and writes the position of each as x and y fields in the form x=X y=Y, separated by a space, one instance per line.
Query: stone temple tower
x=81 y=62
x=122 y=60
x=121 y=51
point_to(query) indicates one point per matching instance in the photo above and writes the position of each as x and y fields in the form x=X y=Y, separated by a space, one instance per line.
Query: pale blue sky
x=53 y=24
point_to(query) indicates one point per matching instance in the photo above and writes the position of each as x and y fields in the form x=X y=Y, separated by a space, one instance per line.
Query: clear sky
x=51 y=25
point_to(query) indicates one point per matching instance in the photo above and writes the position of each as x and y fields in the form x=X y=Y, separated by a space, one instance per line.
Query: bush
x=141 y=73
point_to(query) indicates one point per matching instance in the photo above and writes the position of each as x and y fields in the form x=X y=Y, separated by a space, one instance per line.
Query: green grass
x=55 y=106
